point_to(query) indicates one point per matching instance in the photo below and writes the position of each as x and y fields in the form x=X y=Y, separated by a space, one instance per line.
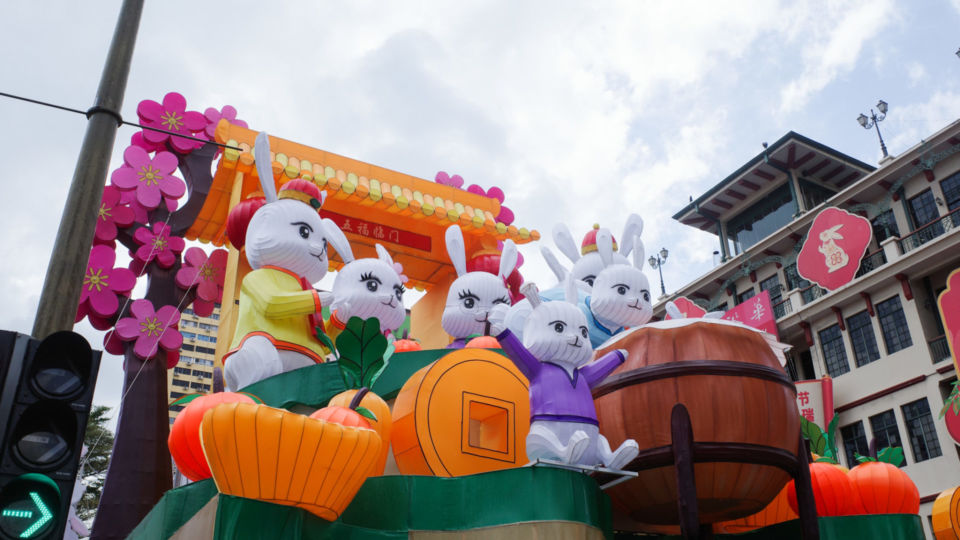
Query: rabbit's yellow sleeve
x=279 y=295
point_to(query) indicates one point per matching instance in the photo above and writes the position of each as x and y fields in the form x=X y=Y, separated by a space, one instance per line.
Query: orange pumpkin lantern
x=736 y=392
x=946 y=515
x=382 y=423
x=483 y=342
x=184 y=439
x=882 y=488
x=406 y=345
x=777 y=511
x=831 y=491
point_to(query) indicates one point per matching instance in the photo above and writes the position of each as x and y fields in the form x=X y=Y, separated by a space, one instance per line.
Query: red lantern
x=884 y=489
x=239 y=218
x=831 y=490
x=184 y=439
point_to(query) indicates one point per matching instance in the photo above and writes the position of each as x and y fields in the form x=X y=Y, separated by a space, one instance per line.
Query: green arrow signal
x=45 y=516
x=18 y=513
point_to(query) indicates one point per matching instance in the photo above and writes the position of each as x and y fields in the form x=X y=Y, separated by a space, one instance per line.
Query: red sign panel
x=756 y=312
x=815 y=401
x=688 y=308
x=831 y=254
x=379 y=232
x=949 y=304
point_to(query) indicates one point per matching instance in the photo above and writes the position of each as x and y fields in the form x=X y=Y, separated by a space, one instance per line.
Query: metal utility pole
x=68 y=260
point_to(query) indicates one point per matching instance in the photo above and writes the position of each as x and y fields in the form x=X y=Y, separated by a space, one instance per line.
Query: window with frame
x=923 y=209
x=834 y=353
x=862 y=338
x=920 y=428
x=885 y=430
x=884 y=226
x=951 y=191
x=771 y=212
x=893 y=323
x=746 y=295
x=794 y=281
x=854 y=442
x=772 y=284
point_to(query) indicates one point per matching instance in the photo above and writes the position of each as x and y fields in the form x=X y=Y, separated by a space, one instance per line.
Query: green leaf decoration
x=892 y=455
x=953 y=400
x=366 y=413
x=325 y=339
x=361 y=346
x=813 y=433
x=184 y=400
x=831 y=436
x=825 y=460
x=862 y=459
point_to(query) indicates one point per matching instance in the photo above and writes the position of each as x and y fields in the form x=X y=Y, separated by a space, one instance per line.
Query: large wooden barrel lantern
x=738 y=397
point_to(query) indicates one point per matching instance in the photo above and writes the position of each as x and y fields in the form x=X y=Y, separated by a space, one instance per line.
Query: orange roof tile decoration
x=408 y=215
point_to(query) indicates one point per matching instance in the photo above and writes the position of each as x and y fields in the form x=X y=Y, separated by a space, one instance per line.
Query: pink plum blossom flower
x=207 y=274
x=213 y=116
x=152 y=331
x=112 y=214
x=151 y=178
x=101 y=285
x=157 y=244
x=138 y=140
x=171 y=115
x=141 y=214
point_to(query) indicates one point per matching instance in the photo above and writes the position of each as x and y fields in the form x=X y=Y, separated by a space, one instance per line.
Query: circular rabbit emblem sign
x=836 y=242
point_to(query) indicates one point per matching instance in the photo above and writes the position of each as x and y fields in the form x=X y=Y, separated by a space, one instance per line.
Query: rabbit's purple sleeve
x=595 y=372
x=525 y=362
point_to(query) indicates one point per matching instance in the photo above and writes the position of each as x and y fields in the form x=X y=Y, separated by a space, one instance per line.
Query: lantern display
x=777 y=511
x=946 y=515
x=184 y=439
x=831 y=490
x=882 y=488
x=260 y=452
x=381 y=423
x=736 y=392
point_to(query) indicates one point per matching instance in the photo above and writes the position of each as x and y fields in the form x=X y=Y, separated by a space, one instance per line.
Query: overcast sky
x=580 y=111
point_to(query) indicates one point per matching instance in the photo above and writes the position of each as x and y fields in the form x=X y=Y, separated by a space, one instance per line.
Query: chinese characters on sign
x=379 y=232
x=831 y=253
x=815 y=401
x=755 y=312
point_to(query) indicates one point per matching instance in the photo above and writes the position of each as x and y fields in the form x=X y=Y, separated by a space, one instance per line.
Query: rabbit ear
x=338 y=240
x=638 y=252
x=605 y=246
x=570 y=290
x=508 y=259
x=633 y=227
x=564 y=241
x=261 y=156
x=384 y=255
x=553 y=263
x=456 y=249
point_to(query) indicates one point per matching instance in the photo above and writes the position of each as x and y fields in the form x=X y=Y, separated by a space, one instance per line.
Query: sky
x=582 y=112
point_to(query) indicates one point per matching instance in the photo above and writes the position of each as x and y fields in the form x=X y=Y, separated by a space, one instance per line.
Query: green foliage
x=953 y=400
x=813 y=433
x=325 y=339
x=361 y=347
x=831 y=450
x=99 y=441
x=892 y=455
x=366 y=413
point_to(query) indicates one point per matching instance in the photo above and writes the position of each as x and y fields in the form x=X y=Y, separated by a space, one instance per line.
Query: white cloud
x=916 y=72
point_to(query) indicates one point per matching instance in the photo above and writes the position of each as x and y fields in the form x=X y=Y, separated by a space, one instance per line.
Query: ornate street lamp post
x=874 y=121
x=657 y=261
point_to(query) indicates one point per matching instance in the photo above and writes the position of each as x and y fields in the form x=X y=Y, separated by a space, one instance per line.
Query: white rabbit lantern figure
x=620 y=297
x=473 y=294
x=586 y=261
x=365 y=288
x=555 y=357
x=834 y=255
x=279 y=310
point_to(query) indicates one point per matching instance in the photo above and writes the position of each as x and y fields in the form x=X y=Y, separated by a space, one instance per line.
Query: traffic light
x=45 y=400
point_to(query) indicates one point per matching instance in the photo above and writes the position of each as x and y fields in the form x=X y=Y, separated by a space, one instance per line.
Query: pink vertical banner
x=815 y=401
x=756 y=312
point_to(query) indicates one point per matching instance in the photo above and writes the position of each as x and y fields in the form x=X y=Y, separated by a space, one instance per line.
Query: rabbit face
x=288 y=234
x=621 y=297
x=588 y=267
x=557 y=332
x=469 y=302
x=368 y=288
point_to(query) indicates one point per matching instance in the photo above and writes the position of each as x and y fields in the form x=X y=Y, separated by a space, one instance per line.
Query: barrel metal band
x=687 y=368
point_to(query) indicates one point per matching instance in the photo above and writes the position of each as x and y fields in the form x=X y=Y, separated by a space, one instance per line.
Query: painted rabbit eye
x=621 y=289
x=558 y=326
x=372 y=286
x=371 y=281
x=589 y=280
x=646 y=296
x=304 y=229
x=502 y=300
x=583 y=332
x=468 y=299
x=398 y=290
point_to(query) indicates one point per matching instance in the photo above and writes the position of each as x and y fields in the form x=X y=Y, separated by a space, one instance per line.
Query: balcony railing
x=872 y=261
x=783 y=308
x=811 y=293
x=928 y=232
x=939 y=349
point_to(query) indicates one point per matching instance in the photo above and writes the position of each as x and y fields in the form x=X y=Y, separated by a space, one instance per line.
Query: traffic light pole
x=68 y=260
